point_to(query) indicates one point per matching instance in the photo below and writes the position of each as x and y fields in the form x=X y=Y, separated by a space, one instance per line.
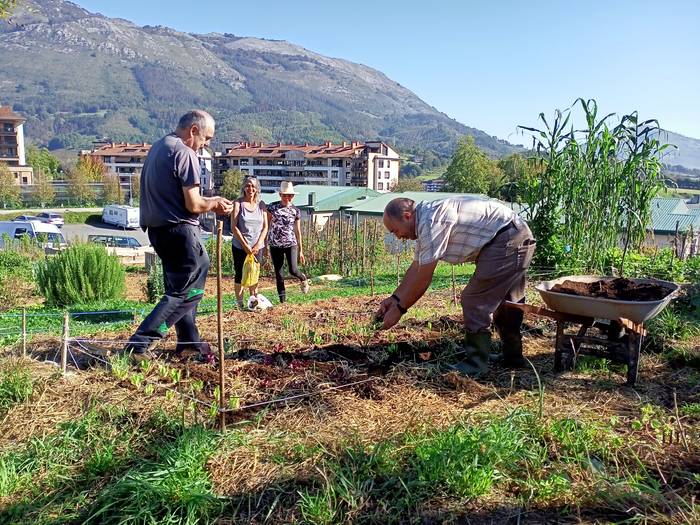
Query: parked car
x=115 y=241
x=50 y=217
x=121 y=215
x=47 y=235
x=27 y=218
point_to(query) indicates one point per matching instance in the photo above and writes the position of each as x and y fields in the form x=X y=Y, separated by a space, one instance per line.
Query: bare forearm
x=414 y=284
x=203 y=205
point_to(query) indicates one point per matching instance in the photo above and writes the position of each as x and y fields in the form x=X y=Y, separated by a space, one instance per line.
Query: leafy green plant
x=119 y=365
x=83 y=272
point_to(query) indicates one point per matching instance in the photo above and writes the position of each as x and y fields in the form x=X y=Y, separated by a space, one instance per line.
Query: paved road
x=81 y=231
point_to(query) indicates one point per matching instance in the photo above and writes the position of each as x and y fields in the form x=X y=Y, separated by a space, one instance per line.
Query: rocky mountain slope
x=79 y=76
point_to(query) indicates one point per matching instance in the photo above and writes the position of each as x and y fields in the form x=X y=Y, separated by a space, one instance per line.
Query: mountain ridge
x=82 y=76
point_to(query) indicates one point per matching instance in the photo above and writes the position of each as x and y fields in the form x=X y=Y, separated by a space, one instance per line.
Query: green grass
x=110 y=466
x=16 y=384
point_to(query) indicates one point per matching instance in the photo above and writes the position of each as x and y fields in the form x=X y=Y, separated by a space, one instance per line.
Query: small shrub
x=80 y=274
x=226 y=256
x=155 y=285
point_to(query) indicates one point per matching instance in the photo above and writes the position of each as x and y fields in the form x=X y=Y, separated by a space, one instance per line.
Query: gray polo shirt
x=170 y=166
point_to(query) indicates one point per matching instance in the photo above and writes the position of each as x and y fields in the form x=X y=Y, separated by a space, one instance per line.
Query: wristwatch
x=398 y=304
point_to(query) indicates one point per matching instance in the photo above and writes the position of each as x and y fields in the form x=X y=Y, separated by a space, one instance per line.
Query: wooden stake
x=219 y=327
x=24 y=332
x=64 y=348
x=398 y=267
x=341 y=246
x=454 y=286
x=364 y=245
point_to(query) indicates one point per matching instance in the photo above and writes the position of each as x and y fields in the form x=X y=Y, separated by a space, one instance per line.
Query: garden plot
x=345 y=424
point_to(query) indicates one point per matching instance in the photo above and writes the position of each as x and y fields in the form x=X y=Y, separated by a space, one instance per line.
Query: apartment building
x=12 y=152
x=126 y=160
x=373 y=165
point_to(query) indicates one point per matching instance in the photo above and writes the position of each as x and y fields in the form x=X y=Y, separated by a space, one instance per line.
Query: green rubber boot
x=475 y=360
x=508 y=322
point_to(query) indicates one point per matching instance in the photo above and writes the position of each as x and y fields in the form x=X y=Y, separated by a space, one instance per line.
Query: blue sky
x=490 y=65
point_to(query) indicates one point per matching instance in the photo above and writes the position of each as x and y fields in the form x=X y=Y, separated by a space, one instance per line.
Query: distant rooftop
x=6 y=113
x=279 y=150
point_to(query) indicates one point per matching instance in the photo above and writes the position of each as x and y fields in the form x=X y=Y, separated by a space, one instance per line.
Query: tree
x=78 y=187
x=6 y=8
x=516 y=172
x=9 y=189
x=410 y=170
x=136 y=187
x=42 y=191
x=41 y=159
x=231 y=184
x=111 y=189
x=91 y=168
x=407 y=185
x=471 y=171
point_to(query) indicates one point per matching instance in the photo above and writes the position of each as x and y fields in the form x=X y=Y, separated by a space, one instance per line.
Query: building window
x=334 y=174
x=388 y=164
x=380 y=185
x=387 y=175
x=381 y=163
x=244 y=162
x=25 y=180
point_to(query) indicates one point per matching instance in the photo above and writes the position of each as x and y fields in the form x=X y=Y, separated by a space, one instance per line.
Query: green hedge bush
x=80 y=274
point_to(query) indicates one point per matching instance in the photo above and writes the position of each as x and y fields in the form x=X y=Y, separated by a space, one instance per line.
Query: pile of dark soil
x=619 y=288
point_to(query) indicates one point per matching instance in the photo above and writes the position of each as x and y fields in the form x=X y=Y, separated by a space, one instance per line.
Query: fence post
x=64 y=348
x=219 y=326
x=364 y=245
x=454 y=286
x=24 y=332
x=398 y=267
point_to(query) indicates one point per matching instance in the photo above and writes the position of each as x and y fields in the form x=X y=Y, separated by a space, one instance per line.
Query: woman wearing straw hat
x=249 y=227
x=285 y=238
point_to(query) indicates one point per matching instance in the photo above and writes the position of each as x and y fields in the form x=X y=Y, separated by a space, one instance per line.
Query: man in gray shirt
x=170 y=207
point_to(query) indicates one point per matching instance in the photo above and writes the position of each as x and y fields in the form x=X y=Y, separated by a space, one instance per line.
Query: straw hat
x=287 y=188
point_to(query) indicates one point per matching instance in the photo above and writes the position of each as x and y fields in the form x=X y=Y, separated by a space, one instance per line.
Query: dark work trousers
x=185 y=266
x=501 y=267
x=277 y=255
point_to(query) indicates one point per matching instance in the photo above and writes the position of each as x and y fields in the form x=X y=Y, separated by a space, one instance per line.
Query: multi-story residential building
x=434 y=185
x=12 y=152
x=372 y=165
x=126 y=160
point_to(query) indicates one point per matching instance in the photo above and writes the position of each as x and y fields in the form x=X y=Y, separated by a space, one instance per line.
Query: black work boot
x=476 y=349
x=508 y=322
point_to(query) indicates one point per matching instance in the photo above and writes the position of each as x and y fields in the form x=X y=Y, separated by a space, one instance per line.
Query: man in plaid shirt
x=465 y=229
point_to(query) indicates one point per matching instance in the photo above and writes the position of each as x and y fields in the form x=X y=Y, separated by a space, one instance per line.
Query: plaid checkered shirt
x=455 y=229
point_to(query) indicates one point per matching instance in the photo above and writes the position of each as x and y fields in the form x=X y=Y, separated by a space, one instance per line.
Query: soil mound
x=619 y=288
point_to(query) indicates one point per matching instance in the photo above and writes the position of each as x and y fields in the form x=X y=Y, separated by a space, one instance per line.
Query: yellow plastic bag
x=251 y=271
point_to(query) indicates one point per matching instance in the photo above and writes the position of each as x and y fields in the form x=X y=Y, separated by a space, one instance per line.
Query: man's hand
x=388 y=313
x=255 y=249
x=223 y=206
x=391 y=316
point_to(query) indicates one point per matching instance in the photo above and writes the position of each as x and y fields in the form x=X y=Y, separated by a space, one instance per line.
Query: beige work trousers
x=501 y=268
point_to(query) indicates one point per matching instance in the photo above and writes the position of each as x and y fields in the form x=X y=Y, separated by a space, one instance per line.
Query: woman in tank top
x=249 y=228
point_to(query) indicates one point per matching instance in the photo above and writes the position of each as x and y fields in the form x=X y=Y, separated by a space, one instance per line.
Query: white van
x=47 y=234
x=121 y=215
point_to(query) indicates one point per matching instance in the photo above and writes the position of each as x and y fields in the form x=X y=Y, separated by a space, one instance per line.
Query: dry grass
x=307 y=348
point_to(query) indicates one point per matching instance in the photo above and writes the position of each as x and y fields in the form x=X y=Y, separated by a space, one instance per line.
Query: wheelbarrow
x=609 y=328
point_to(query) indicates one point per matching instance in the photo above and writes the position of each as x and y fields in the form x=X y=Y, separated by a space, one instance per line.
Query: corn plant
x=595 y=185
